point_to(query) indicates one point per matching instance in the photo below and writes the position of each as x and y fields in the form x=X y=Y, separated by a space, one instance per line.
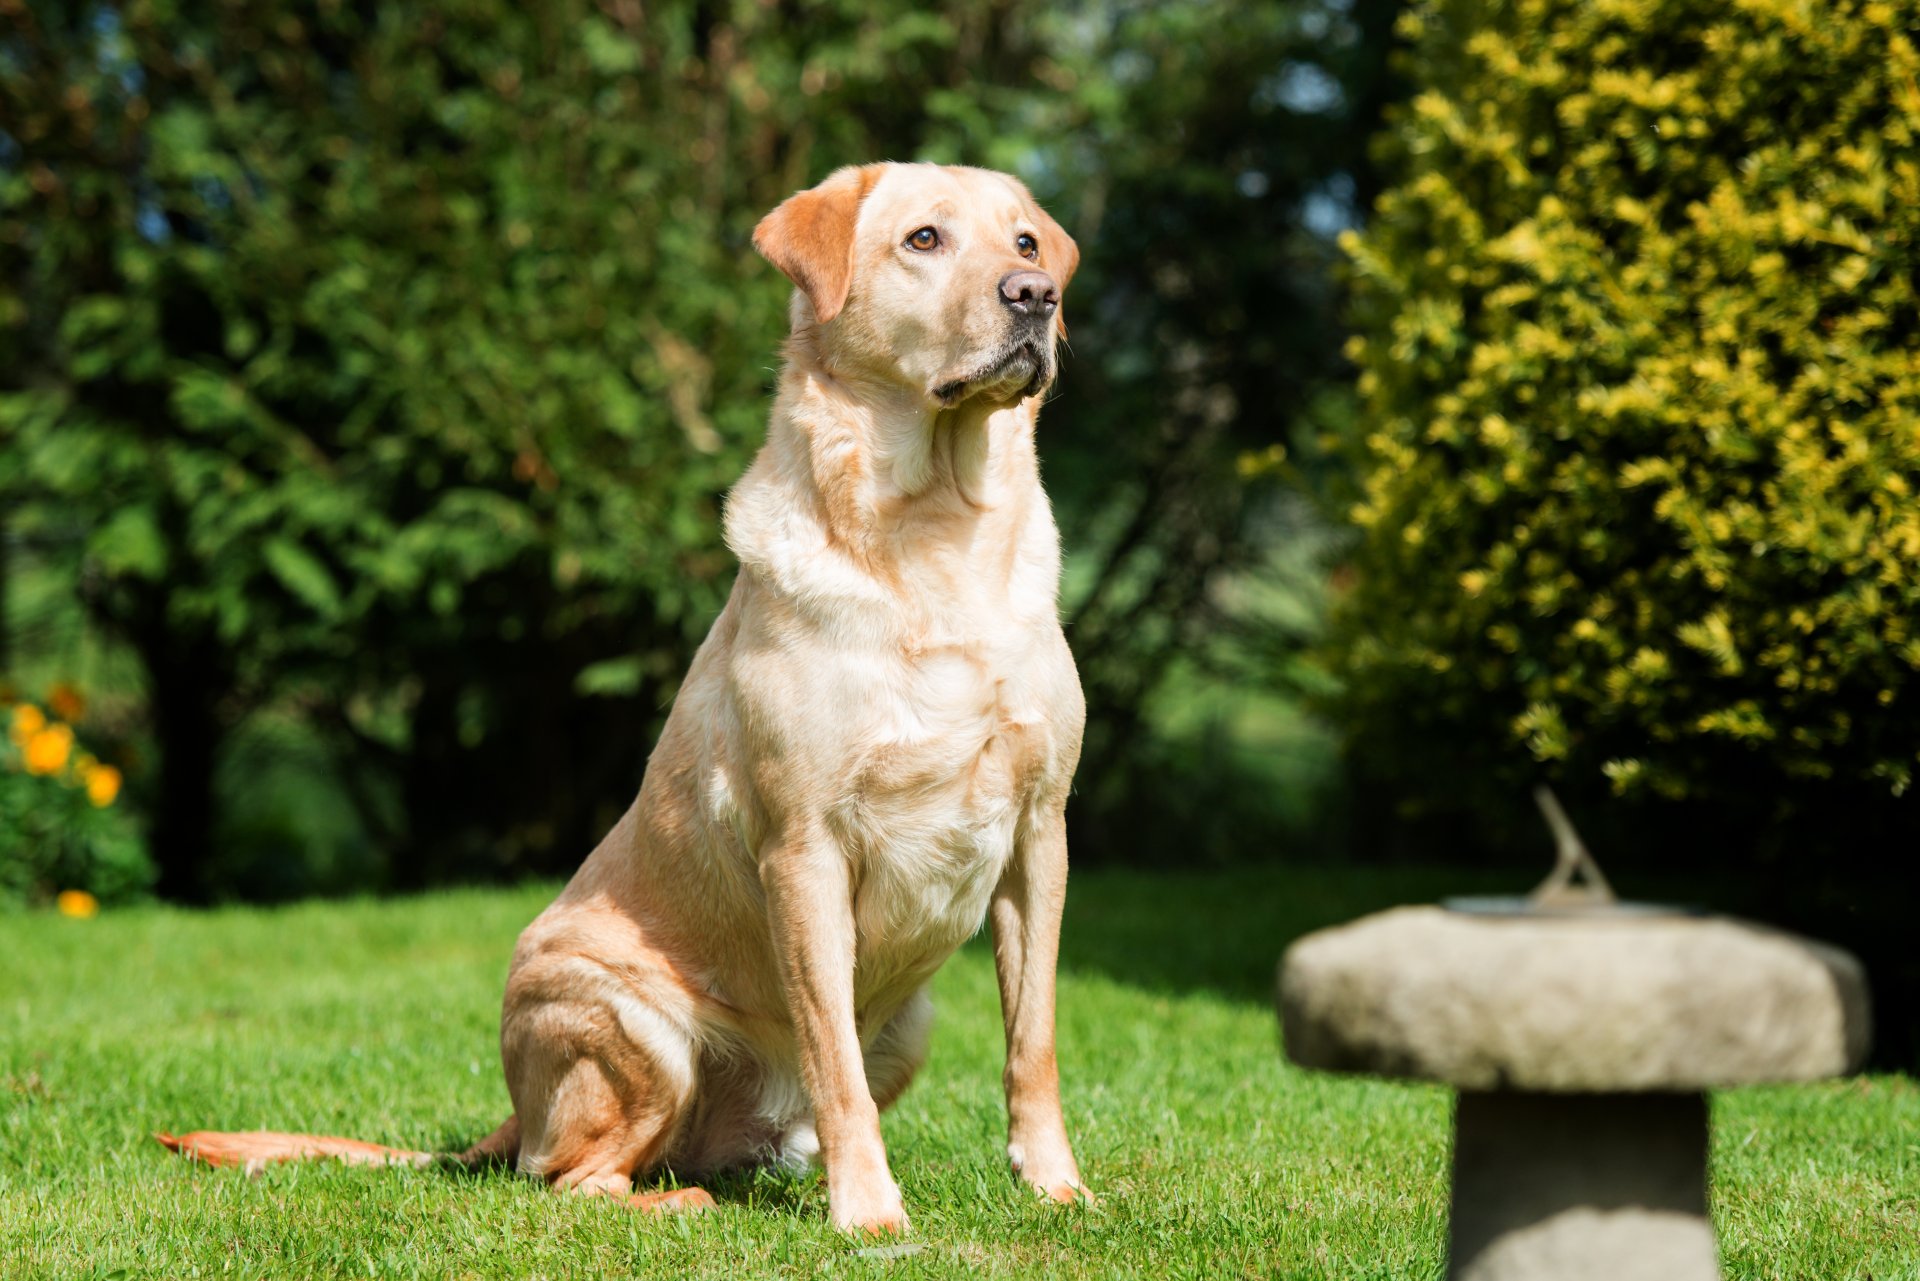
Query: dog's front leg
x=810 y=898
x=1026 y=947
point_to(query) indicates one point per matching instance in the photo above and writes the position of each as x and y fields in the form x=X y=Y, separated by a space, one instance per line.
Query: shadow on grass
x=1224 y=931
x=761 y=1188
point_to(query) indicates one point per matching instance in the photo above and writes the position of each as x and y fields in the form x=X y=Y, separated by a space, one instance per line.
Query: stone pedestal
x=1582 y=1047
x=1580 y=1187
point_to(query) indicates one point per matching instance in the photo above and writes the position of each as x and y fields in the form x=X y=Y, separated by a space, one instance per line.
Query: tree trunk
x=185 y=680
x=436 y=813
x=531 y=798
x=6 y=630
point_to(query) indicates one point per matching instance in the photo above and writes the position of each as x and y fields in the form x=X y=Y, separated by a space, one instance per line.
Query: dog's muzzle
x=1019 y=369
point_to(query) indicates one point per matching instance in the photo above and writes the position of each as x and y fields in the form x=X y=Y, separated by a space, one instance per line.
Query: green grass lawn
x=1211 y=1157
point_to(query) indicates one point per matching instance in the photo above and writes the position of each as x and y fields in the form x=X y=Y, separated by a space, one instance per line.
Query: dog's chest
x=956 y=745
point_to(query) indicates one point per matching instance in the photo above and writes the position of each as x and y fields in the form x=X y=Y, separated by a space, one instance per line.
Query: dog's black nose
x=1031 y=293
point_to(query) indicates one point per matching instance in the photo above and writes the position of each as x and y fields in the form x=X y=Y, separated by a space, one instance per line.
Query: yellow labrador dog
x=869 y=756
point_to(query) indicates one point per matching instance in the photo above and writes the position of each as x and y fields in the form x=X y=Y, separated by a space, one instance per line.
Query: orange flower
x=78 y=904
x=66 y=702
x=27 y=721
x=103 y=784
x=47 y=751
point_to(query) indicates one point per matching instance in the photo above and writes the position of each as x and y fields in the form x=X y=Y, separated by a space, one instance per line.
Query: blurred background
x=1463 y=394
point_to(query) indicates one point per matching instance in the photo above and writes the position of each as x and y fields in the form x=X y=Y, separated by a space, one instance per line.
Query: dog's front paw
x=1066 y=1192
x=869 y=1206
x=1065 y=1189
x=1055 y=1177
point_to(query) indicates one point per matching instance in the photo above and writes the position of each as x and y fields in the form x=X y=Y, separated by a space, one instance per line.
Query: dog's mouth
x=1013 y=373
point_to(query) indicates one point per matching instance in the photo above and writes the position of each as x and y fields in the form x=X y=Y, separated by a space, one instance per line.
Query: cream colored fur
x=869 y=756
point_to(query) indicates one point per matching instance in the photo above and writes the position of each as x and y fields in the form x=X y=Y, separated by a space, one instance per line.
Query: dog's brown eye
x=1027 y=245
x=924 y=239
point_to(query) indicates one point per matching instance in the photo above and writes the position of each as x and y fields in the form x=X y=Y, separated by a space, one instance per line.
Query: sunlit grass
x=1211 y=1157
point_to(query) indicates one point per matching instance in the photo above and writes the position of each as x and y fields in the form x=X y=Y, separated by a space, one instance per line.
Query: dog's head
x=944 y=279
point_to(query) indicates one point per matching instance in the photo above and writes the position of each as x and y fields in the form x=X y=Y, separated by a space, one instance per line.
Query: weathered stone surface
x=1571 y=1004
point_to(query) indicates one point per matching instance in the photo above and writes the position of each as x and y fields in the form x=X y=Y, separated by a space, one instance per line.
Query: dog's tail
x=256 y=1149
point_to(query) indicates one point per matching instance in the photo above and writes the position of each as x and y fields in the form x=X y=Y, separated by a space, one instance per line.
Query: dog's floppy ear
x=810 y=237
x=1059 y=256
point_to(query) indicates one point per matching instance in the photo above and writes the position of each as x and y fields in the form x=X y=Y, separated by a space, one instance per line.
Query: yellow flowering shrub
x=47 y=751
x=63 y=837
x=76 y=903
x=1639 y=353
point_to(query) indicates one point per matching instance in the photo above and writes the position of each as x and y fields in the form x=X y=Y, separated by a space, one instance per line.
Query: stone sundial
x=1582 y=1034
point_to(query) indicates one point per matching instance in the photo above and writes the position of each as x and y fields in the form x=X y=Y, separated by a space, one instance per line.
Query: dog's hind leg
x=898 y=1049
x=502 y=1147
x=601 y=1084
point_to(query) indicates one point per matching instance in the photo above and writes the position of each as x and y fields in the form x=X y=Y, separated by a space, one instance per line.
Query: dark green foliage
x=377 y=371
x=393 y=364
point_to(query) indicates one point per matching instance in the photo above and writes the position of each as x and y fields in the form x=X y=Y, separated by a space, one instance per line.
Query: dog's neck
x=881 y=456
x=865 y=496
